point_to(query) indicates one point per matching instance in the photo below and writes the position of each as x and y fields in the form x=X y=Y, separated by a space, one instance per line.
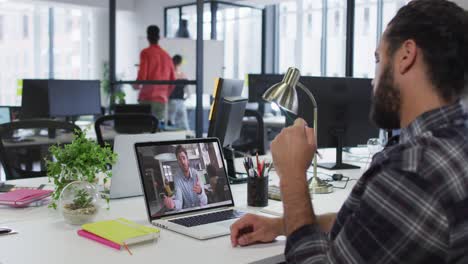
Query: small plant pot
x=79 y=202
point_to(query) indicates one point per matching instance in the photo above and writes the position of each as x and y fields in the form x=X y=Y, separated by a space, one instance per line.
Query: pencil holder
x=257 y=191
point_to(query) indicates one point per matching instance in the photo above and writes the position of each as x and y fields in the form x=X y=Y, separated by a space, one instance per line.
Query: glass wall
x=367 y=33
x=365 y=38
x=312 y=36
x=25 y=49
x=336 y=38
x=72 y=44
x=239 y=27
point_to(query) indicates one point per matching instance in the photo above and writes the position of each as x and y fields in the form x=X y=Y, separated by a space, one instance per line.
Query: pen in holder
x=257 y=191
x=257 y=182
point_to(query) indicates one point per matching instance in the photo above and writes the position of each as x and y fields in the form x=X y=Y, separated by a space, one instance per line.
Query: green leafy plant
x=80 y=160
x=120 y=97
x=82 y=200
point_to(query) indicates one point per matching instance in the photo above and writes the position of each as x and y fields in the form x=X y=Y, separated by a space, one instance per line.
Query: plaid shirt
x=410 y=206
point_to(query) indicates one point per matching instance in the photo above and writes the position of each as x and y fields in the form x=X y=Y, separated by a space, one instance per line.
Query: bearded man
x=411 y=205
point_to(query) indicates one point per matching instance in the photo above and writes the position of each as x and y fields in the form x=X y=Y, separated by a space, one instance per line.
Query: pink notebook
x=23 y=197
x=99 y=239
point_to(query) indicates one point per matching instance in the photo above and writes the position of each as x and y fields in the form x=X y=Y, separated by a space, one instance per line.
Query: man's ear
x=406 y=56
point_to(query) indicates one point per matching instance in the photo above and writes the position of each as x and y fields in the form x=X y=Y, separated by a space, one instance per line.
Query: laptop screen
x=182 y=176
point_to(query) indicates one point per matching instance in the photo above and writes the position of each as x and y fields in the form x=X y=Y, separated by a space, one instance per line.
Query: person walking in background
x=177 y=110
x=155 y=64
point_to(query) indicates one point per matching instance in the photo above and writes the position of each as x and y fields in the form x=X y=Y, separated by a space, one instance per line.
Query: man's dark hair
x=211 y=171
x=180 y=149
x=440 y=30
x=177 y=60
x=152 y=33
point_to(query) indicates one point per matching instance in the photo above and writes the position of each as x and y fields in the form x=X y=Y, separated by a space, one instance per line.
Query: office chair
x=131 y=123
x=245 y=144
x=23 y=145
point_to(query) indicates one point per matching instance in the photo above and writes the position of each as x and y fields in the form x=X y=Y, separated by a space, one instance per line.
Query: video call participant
x=188 y=190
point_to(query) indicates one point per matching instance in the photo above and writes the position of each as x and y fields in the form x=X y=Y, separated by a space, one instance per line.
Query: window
x=238 y=26
x=172 y=22
x=336 y=41
x=189 y=13
x=71 y=43
x=367 y=34
x=365 y=38
x=25 y=26
x=366 y=22
x=2 y=22
x=288 y=42
x=26 y=53
x=312 y=43
x=19 y=63
x=321 y=24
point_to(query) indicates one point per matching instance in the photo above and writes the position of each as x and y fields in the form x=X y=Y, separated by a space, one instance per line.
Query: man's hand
x=293 y=150
x=254 y=228
x=196 y=187
x=169 y=203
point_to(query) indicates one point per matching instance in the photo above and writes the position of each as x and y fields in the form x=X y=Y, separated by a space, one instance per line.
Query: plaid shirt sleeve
x=391 y=216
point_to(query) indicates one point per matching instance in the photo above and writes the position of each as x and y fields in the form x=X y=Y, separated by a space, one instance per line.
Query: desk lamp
x=284 y=95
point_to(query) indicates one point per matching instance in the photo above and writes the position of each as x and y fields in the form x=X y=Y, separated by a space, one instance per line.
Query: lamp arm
x=309 y=93
x=314 y=103
x=312 y=98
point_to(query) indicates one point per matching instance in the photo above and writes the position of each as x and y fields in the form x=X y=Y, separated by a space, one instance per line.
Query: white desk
x=44 y=237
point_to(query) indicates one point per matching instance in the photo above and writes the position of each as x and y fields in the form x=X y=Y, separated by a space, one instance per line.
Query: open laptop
x=125 y=180
x=172 y=200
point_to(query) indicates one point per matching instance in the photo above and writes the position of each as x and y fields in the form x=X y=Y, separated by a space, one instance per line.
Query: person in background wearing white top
x=177 y=111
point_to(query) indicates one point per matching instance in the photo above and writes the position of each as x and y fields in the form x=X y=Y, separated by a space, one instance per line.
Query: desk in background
x=43 y=237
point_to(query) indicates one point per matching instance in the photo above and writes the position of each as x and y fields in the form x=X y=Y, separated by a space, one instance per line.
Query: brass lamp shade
x=284 y=93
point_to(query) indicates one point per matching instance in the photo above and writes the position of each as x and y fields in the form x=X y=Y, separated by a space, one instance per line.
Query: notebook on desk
x=187 y=200
x=121 y=231
x=23 y=197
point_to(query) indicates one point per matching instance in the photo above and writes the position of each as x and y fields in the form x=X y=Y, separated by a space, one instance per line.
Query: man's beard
x=386 y=102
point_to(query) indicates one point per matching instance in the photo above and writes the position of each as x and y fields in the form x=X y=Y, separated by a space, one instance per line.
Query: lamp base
x=337 y=166
x=319 y=186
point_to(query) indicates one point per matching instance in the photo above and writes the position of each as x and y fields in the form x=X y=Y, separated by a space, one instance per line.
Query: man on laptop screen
x=176 y=179
x=188 y=191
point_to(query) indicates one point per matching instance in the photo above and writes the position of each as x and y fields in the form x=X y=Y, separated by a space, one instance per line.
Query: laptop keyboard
x=208 y=218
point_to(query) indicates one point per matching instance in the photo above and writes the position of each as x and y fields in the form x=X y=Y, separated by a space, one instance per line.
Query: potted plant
x=81 y=160
x=79 y=202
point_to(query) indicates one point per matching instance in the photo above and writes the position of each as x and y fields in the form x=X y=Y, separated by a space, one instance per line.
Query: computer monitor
x=132 y=108
x=229 y=116
x=35 y=99
x=128 y=125
x=343 y=110
x=5 y=115
x=223 y=88
x=343 y=113
x=71 y=98
x=259 y=83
